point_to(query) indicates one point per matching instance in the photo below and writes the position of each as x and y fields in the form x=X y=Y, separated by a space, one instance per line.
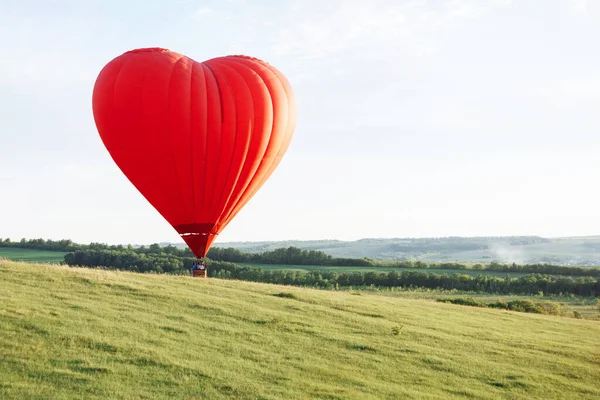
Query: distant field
x=306 y=268
x=76 y=333
x=579 y=251
x=557 y=250
x=31 y=255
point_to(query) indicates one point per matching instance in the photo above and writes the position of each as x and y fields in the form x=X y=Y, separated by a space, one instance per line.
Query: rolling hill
x=519 y=249
x=82 y=333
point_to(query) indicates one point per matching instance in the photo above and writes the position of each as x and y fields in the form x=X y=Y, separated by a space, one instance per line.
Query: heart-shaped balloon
x=198 y=140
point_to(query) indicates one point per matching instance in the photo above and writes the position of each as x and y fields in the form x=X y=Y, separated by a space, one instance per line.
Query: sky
x=416 y=118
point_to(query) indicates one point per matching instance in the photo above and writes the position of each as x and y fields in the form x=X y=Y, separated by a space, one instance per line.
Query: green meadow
x=71 y=333
x=32 y=255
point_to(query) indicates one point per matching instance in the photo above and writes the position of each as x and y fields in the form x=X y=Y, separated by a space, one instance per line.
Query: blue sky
x=415 y=118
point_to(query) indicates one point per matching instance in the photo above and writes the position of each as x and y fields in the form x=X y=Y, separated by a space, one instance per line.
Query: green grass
x=31 y=255
x=306 y=268
x=83 y=333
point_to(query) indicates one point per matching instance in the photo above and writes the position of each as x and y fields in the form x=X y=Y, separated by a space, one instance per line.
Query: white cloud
x=585 y=89
x=579 y=7
x=573 y=92
x=342 y=26
x=203 y=12
x=44 y=67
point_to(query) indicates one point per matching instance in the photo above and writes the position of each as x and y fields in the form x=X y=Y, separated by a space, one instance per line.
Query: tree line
x=166 y=263
x=526 y=285
x=283 y=256
x=521 y=305
x=287 y=256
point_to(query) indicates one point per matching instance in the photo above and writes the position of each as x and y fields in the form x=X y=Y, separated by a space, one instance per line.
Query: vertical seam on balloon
x=234 y=141
x=270 y=137
x=289 y=97
x=206 y=134
x=192 y=144
x=182 y=199
x=240 y=204
x=117 y=75
x=278 y=155
x=218 y=93
x=228 y=204
x=232 y=206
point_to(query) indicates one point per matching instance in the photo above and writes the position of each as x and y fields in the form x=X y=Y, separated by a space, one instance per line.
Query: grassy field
x=31 y=255
x=306 y=268
x=82 y=333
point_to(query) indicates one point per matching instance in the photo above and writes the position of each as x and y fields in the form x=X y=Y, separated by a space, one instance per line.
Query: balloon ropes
x=197 y=139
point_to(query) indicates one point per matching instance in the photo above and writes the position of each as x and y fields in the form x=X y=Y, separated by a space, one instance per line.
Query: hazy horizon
x=415 y=118
x=182 y=243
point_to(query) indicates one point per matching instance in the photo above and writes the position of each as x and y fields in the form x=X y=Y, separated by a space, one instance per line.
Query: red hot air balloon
x=197 y=140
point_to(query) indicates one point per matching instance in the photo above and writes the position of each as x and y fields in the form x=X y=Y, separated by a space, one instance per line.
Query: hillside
x=82 y=333
x=519 y=249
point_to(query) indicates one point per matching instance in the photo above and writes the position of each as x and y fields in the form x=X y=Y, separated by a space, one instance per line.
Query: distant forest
x=169 y=258
x=222 y=263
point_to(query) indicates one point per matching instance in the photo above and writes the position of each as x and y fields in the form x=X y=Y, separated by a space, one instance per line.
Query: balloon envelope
x=197 y=140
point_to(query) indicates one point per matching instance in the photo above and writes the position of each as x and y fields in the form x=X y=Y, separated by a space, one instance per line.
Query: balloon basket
x=199 y=273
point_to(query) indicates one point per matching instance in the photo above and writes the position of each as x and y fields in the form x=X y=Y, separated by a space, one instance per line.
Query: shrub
x=500 y=304
x=285 y=295
x=469 y=301
x=550 y=308
x=524 y=306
